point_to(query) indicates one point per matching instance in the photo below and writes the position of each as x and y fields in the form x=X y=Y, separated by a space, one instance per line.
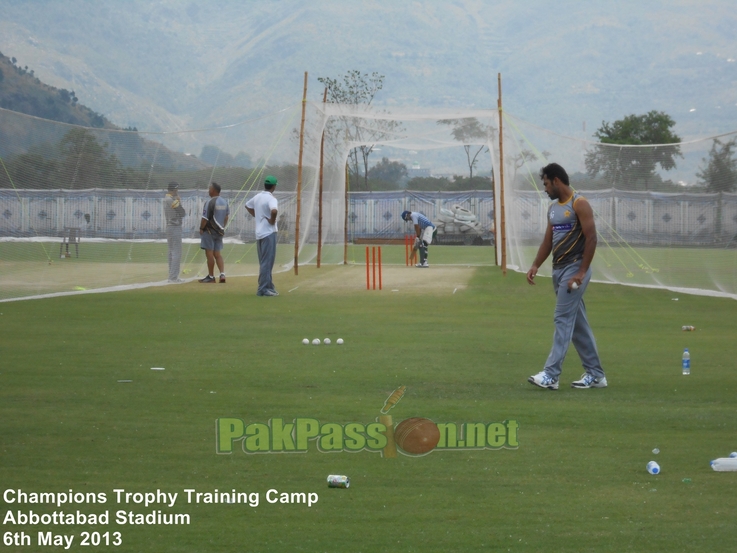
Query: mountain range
x=567 y=65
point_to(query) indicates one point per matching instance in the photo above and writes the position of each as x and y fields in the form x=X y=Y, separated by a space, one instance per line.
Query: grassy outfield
x=576 y=482
x=30 y=269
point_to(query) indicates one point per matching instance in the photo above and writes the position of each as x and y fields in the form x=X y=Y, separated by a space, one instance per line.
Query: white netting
x=83 y=208
x=375 y=217
x=650 y=233
x=107 y=187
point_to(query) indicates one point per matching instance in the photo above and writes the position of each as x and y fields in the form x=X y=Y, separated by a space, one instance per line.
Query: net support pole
x=345 y=219
x=502 y=230
x=319 y=206
x=299 y=178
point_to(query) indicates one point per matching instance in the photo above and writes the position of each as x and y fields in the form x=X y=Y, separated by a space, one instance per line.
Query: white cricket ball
x=316 y=342
x=339 y=341
x=326 y=341
x=574 y=286
x=306 y=341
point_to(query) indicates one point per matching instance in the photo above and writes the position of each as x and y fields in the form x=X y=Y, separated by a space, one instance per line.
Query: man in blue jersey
x=212 y=228
x=424 y=229
x=571 y=238
x=265 y=207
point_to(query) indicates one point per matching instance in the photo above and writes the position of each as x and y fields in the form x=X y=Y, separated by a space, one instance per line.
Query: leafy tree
x=86 y=163
x=356 y=88
x=523 y=158
x=464 y=183
x=242 y=159
x=627 y=167
x=215 y=156
x=33 y=170
x=428 y=183
x=470 y=132
x=388 y=171
x=719 y=171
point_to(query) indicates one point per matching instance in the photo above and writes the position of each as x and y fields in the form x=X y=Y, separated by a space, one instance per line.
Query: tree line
x=83 y=159
x=614 y=161
x=618 y=160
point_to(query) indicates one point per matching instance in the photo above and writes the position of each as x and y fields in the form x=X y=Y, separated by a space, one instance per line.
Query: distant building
x=417 y=171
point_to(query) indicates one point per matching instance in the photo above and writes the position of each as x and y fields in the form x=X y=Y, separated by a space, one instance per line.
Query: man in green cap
x=264 y=207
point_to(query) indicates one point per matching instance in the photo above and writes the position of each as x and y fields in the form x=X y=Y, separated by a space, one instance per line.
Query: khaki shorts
x=211 y=242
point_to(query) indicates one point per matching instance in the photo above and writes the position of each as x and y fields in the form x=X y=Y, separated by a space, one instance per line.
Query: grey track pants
x=266 y=248
x=572 y=325
x=174 y=241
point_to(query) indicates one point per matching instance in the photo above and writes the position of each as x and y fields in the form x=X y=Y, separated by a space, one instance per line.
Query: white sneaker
x=424 y=265
x=543 y=380
x=589 y=381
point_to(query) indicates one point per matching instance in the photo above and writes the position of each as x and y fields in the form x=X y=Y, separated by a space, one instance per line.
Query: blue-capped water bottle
x=686 y=362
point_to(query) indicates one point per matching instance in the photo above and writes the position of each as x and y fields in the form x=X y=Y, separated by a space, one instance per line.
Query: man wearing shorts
x=212 y=228
x=424 y=229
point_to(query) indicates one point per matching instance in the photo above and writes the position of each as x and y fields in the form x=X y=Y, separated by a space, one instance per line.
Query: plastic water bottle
x=654 y=468
x=686 y=362
x=724 y=464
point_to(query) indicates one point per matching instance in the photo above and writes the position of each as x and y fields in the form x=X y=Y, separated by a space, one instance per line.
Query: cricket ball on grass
x=417 y=435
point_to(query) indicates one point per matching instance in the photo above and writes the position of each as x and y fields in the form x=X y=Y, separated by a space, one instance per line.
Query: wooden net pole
x=319 y=207
x=345 y=219
x=502 y=232
x=299 y=179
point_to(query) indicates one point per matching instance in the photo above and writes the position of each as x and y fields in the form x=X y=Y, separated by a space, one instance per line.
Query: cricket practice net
x=83 y=209
x=666 y=215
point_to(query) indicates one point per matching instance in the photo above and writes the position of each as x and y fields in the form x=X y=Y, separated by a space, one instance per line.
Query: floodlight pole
x=299 y=179
x=319 y=207
x=502 y=231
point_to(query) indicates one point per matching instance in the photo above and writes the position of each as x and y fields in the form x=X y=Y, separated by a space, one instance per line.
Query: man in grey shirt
x=212 y=228
x=173 y=214
x=570 y=237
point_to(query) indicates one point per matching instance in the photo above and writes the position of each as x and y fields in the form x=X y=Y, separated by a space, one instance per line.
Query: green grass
x=28 y=269
x=577 y=482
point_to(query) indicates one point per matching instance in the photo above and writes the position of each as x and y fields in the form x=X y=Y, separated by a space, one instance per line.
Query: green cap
x=271 y=180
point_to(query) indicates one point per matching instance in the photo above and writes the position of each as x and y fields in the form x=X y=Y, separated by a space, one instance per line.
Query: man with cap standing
x=264 y=207
x=212 y=228
x=424 y=229
x=173 y=213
